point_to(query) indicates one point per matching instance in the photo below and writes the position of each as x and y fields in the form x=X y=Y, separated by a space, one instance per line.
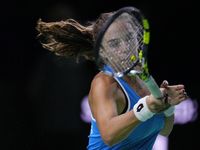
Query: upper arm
x=102 y=100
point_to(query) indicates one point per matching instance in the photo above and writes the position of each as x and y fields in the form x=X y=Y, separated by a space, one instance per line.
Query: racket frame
x=102 y=33
x=148 y=79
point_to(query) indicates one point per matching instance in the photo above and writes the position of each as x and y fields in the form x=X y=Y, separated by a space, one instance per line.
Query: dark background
x=41 y=93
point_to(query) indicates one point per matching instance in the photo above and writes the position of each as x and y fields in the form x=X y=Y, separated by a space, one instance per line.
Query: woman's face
x=120 y=44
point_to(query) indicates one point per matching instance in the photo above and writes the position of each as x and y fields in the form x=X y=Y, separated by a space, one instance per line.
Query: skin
x=107 y=100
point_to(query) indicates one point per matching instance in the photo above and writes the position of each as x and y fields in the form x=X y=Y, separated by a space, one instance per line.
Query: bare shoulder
x=106 y=94
x=103 y=95
x=102 y=80
x=103 y=84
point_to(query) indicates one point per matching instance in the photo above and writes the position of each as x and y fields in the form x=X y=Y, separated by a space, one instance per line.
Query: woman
x=124 y=113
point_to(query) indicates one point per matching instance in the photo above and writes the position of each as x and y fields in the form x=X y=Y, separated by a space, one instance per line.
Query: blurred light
x=161 y=143
x=186 y=112
x=85 y=110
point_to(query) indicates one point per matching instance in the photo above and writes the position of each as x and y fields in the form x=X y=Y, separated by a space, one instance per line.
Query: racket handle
x=153 y=87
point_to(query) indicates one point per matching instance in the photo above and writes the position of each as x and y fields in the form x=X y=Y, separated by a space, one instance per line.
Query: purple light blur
x=85 y=110
x=161 y=143
x=186 y=112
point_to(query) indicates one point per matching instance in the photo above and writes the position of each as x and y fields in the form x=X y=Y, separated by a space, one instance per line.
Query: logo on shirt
x=139 y=108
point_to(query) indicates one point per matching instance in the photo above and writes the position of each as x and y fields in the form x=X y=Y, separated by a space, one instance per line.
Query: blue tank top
x=141 y=138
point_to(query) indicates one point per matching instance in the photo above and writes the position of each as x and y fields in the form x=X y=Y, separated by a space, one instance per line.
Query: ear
x=102 y=56
x=102 y=52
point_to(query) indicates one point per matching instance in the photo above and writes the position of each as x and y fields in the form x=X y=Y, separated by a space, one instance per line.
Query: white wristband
x=141 y=110
x=169 y=111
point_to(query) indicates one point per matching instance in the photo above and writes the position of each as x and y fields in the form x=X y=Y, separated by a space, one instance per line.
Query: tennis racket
x=122 y=44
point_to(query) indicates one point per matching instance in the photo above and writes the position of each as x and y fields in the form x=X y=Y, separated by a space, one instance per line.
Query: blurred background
x=41 y=94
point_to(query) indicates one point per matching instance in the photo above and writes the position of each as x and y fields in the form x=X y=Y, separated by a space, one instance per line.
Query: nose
x=125 y=47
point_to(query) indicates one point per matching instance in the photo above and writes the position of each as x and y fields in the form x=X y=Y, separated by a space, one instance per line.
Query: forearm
x=168 y=126
x=121 y=126
x=118 y=128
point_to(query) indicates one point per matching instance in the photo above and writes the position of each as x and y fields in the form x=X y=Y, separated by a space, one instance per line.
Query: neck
x=131 y=80
x=137 y=85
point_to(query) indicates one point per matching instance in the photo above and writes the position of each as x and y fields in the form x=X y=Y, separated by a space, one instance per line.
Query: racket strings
x=119 y=59
x=120 y=64
x=140 y=42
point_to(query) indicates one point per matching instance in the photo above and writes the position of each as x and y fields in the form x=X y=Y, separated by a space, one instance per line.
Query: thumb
x=164 y=84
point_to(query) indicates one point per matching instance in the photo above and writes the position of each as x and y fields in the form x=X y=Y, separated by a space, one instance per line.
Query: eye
x=114 y=43
x=130 y=38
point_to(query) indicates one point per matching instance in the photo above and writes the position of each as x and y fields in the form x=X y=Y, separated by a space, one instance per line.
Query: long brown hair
x=71 y=39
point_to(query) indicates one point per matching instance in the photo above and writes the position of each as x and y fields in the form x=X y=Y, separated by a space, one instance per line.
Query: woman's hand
x=173 y=95
x=158 y=106
x=176 y=93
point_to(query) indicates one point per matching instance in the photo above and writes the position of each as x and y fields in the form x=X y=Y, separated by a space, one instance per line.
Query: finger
x=182 y=92
x=181 y=99
x=185 y=94
x=180 y=87
x=164 y=84
x=169 y=101
x=163 y=100
x=166 y=101
x=179 y=92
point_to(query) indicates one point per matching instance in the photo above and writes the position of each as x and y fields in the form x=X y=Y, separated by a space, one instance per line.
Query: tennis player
x=124 y=113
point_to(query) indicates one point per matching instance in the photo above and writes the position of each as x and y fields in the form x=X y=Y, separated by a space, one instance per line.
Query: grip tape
x=153 y=87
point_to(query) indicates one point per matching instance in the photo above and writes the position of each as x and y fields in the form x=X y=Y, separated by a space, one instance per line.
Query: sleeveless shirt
x=141 y=138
